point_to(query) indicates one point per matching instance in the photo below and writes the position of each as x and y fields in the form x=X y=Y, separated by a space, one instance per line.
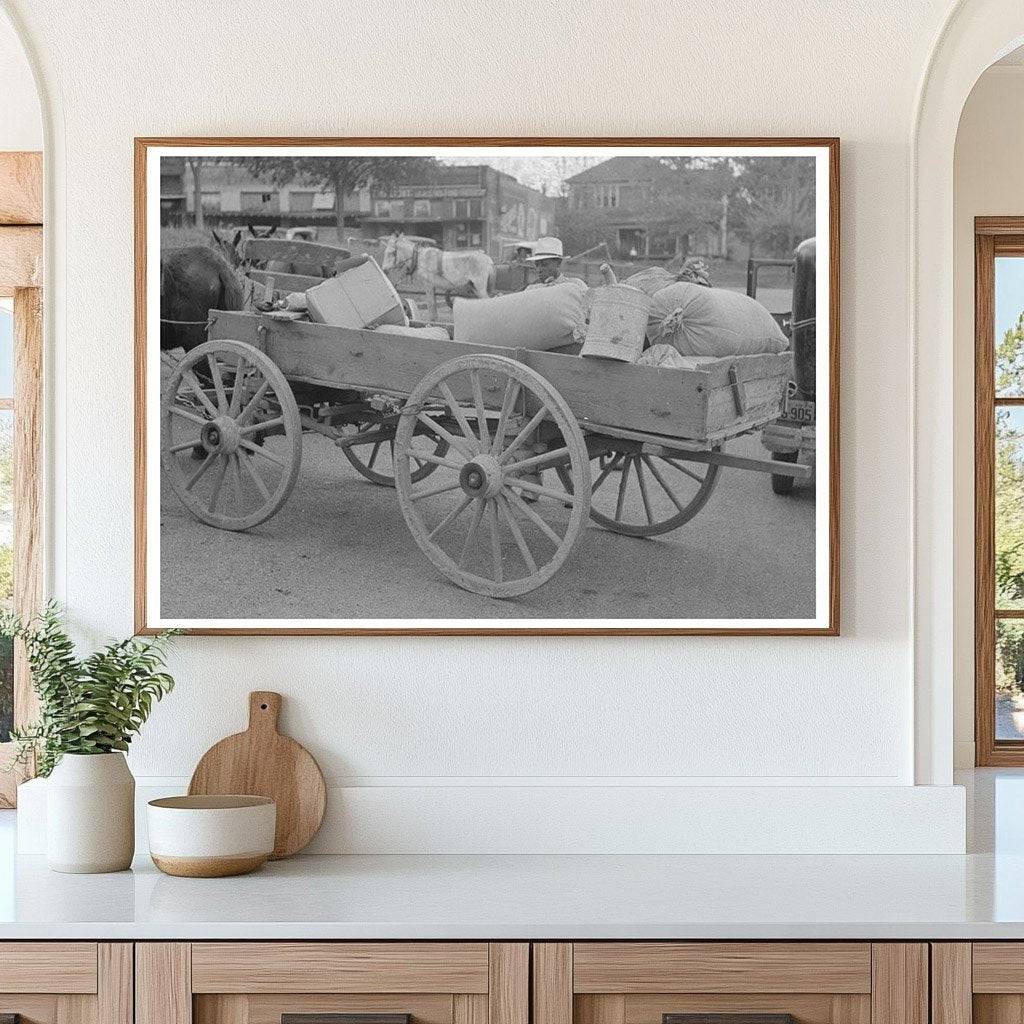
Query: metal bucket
x=618 y=323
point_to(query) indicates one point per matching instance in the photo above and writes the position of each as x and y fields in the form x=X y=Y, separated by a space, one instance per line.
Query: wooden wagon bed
x=706 y=405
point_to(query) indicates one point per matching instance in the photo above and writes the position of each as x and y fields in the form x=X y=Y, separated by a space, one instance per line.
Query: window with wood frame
x=21 y=351
x=999 y=490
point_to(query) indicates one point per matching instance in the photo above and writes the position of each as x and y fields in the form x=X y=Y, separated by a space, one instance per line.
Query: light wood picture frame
x=191 y=574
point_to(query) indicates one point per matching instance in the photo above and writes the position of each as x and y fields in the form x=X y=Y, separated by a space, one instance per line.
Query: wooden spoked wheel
x=493 y=518
x=374 y=458
x=231 y=436
x=644 y=495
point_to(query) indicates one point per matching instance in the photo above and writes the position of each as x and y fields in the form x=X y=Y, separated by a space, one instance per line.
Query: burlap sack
x=700 y=321
x=541 y=318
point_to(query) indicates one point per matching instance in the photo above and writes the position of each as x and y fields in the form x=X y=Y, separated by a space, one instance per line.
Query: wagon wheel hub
x=482 y=477
x=221 y=435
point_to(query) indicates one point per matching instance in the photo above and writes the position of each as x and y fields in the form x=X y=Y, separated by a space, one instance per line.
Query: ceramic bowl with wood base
x=211 y=836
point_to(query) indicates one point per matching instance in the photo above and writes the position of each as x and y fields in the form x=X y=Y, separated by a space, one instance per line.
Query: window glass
x=1009 y=511
x=1009 y=326
x=1009 y=679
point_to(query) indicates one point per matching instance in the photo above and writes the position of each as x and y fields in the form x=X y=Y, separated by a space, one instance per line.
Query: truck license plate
x=798 y=411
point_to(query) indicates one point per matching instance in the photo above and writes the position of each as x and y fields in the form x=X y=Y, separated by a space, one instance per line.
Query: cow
x=466 y=272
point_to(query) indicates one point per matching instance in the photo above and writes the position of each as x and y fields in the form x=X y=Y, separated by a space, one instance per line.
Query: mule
x=194 y=280
x=465 y=272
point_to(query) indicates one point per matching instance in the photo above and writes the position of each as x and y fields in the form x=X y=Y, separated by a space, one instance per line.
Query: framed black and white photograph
x=487 y=386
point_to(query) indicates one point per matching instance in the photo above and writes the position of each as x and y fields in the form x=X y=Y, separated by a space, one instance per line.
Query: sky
x=545 y=173
x=1009 y=292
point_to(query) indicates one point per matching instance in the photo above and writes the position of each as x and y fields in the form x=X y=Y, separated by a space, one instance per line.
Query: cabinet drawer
x=48 y=967
x=635 y=967
x=730 y=982
x=263 y=982
x=66 y=982
x=340 y=967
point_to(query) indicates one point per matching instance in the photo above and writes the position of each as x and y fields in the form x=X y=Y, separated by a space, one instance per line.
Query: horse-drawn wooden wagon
x=499 y=456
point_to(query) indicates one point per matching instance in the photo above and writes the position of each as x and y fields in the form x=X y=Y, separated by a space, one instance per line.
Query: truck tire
x=783 y=484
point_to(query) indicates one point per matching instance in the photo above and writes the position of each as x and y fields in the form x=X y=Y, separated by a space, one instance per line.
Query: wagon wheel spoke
x=452 y=516
x=243 y=417
x=620 y=501
x=184 y=446
x=683 y=469
x=481 y=412
x=373 y=455
x=430 y=492
x=512 y=389
x=517 y=534
x=246 y=462
x=186 y=414
x=236 y=465
x=535 y=422
x=238 y=387
x=257 y=449
x=495 y=541
x=460 y=417
x=545 y=459
x=528 y=512
x=471 y=533
x=606 y=472
x=255 y=428
x=655 y=472
x=538 y=489
x=436 y=428
x=219 y=482
x=197 y=390
x=436 y=460
x=218 y=383
x=201 y=471
x=642 y=481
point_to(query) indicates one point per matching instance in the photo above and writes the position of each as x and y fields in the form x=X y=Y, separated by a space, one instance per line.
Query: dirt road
x=340 y=548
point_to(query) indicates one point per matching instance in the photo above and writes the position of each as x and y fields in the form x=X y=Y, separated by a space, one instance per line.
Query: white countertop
x=532 y=897
x=978 y=896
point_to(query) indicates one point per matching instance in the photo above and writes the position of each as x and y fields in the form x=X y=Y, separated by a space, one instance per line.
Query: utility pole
x=197 y=192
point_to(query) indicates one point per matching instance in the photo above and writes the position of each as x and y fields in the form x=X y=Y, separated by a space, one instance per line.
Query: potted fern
x=89 y=710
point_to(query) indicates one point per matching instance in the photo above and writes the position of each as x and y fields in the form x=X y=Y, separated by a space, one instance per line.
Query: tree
x=1009 y=470
x=341 y=175
x=775 y=202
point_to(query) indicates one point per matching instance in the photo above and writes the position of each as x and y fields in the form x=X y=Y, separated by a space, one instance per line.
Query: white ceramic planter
x=90 y=814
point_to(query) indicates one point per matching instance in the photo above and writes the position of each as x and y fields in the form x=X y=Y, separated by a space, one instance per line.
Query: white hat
x=546 y=249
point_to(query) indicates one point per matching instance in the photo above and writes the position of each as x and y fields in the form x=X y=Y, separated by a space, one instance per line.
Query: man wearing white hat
x=547 y=258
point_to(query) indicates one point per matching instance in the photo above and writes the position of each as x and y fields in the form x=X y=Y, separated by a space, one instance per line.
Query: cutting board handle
x=264 y=710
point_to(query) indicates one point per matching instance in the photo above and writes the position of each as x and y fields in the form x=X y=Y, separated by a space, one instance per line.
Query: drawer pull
x=340 y=1018
x=728 y=1018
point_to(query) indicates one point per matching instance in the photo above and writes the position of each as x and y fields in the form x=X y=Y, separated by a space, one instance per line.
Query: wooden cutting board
x=262 y=762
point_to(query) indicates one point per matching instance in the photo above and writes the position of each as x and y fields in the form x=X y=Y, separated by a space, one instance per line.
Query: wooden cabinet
x=979 y=982
x=649 y=982
x=260 y=982
x=66 y=982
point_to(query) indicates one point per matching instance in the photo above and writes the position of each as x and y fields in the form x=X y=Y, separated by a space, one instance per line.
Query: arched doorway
x=975 y=35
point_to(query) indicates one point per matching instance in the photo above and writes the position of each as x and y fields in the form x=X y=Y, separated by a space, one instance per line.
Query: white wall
x=446 y=712
x=988 y=181
x=21 y=124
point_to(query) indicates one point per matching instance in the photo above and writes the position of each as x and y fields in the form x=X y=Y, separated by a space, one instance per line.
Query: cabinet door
x=332 y=983
x=66 y=982
x=736 y=982
x=980 y=982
